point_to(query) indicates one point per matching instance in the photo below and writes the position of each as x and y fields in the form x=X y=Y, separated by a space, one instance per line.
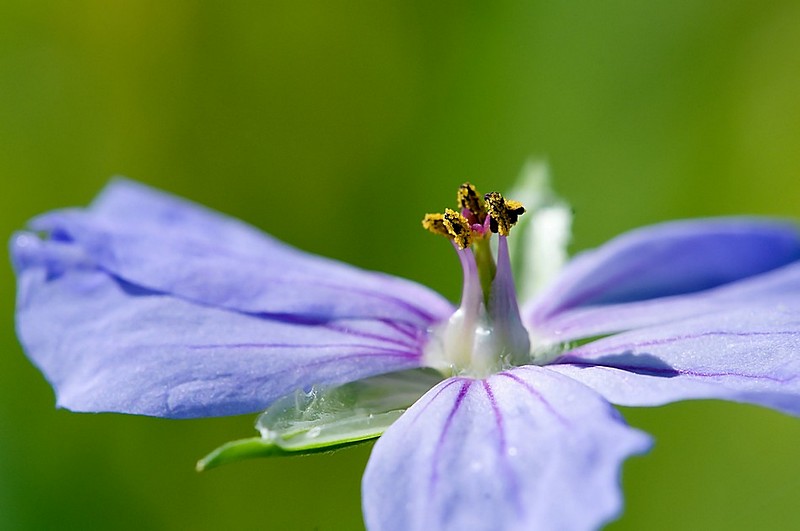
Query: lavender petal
x=108 y=345
x=747 y=354
x=523 y=449
x=661 y=262
x=168 y=244
x=776 y=286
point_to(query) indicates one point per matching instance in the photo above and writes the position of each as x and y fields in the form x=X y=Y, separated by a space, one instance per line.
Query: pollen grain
x=504 y=212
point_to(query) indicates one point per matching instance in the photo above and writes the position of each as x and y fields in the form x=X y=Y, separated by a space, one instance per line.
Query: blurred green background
x=359 y=118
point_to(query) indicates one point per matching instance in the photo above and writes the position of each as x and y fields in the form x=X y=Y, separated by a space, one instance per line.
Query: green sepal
x=326 y=419
x=254 y=447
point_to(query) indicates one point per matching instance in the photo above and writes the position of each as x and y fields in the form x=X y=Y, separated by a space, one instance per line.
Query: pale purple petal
x=782 y=284
x=108 y=345
x=749 y=354
x=160 y=242
x=523 y=449
x=666 y=260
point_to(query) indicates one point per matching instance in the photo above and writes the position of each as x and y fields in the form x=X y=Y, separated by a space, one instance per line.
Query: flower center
x=485 y=334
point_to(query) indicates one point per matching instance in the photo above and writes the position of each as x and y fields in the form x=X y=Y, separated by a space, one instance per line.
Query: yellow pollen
x=458 y=227
x=469 y=198
x=452 y=225
x=435 y=224
x=504 y=212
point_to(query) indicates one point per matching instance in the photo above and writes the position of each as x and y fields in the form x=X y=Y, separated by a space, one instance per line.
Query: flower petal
x=670 y=259
x=523 y=449
x=747 y=355
x=108 y=345
x=164 y=243
x=778 y=285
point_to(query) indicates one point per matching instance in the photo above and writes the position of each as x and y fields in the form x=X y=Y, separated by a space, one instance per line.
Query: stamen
x=435 y=224
x=486 y=333
x=504 y=311
x=458 y=227
x=469 y=199
x=504 y=213
x=452 y=225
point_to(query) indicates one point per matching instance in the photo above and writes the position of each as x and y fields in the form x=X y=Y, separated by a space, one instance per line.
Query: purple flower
x=492 y=417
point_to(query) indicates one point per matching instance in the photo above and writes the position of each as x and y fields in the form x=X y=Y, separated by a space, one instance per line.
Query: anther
x=458 y=227
x=435 y=224
x=469 y=199
x=504 y=213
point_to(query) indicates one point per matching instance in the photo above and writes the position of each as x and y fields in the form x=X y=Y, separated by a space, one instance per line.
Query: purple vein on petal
x=348 y=289
x=503 y=447
x=402 y=327
x=586 y=295
x=377 y=349
x=419 y=312
x=462 y=393
x=666 y=341
x=367 y=335
x=535 y=394
x=339 y=359
x=668 y=372
x=497 y=416
x=421 y=411
x=410 y=330
x=358 y=355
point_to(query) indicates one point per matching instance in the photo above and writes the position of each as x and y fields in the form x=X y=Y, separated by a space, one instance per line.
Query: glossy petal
x=670 y=259
x=163 y=243
x=108 y=345
x=778 y=285
x=523 y=449
x=749 y=354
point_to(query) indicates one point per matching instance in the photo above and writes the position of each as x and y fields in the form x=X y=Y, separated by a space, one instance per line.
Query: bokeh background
x=335 y=126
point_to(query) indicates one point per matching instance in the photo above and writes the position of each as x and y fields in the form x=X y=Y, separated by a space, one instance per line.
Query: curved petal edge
x=749 y=354
x=107 y=345
x=523 y=449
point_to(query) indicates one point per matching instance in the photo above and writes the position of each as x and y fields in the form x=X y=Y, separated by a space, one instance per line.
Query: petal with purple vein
x=665 y=260
x=107 y=345
x=168 y=244
x=778 y=285
x=748 y=354
x=523 y=449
